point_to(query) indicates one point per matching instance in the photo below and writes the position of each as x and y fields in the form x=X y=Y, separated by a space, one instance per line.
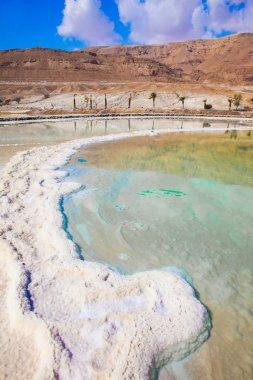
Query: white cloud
x=85 y=21
x=154 y=21
x=159 y=21
x=227 y=15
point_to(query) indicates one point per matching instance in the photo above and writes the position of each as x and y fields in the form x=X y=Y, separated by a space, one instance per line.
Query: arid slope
x=227 y=60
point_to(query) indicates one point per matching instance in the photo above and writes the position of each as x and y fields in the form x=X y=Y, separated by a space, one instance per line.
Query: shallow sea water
x=181 y=200
x=18 y=137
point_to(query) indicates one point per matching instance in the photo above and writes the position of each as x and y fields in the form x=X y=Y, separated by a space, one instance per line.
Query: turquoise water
x=180 y=201
x=183 y=201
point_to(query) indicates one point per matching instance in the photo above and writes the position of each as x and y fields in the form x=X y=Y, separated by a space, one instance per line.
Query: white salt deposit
x=65 y=318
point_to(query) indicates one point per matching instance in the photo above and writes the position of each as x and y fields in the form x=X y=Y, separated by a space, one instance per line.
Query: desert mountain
x=225 y=60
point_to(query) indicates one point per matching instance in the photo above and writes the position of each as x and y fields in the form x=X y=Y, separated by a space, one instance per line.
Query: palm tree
x=230 y=102
x=91 y=105
x=204 y=101
x=86 y=101
x=181 y=99
x=74 y=101
x=153 y=96
x=129 y=101
x=237 y=98
x=105 y=102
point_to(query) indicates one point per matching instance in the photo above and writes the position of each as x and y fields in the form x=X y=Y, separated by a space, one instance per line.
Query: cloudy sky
x=71 y=24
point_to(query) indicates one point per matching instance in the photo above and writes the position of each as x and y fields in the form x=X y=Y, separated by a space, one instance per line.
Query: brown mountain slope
x=226 y=60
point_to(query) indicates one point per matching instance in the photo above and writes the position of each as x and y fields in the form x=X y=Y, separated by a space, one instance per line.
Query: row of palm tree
x=235 y=100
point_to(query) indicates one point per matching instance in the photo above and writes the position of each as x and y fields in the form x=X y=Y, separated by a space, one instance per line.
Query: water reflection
x=47 y=133
x=233 y=134
x=178 y=200
x=61 y=131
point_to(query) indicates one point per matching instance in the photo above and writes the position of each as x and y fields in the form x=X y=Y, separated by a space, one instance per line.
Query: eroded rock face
x=190 y=61
x=76 y=319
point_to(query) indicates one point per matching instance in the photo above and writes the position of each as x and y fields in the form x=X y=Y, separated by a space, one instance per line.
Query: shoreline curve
x=79 y=319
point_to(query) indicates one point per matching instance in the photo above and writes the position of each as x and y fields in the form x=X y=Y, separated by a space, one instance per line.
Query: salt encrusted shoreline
x=64 y=318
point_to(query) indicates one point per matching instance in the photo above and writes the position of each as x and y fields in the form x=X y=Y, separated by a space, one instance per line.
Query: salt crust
x=65 y=318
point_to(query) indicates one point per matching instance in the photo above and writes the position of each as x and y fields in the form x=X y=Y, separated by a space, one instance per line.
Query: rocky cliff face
x=226 y=60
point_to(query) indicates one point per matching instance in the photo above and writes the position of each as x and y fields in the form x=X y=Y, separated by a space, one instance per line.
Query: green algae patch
x=161 y=193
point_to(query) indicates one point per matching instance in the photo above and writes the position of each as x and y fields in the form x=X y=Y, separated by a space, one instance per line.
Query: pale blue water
x=186 y=203
x=202 y=222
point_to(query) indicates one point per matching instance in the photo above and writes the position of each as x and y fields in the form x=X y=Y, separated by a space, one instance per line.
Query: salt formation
x=65 y=318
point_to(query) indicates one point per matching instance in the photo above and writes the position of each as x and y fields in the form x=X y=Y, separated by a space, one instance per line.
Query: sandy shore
x=63 y=317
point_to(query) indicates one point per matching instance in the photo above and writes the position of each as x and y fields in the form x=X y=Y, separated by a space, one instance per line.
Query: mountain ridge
x=227 y=60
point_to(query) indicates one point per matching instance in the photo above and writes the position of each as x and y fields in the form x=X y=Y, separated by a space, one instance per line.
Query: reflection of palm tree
x=153 y=125
x=75 y=125
x=153 y=96
x=227 y=127
x=249 y=133
x=233 y=134
x=129 y=125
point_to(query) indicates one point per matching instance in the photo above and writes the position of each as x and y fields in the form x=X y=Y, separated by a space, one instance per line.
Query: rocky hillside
x=225 y=60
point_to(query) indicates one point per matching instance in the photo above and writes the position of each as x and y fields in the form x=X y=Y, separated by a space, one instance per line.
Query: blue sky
x=73 y=24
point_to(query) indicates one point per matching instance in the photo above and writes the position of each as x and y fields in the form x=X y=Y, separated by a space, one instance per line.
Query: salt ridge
x=75 y=319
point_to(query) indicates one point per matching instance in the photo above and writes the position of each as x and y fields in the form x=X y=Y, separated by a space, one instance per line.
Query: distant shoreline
x=9 y=120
